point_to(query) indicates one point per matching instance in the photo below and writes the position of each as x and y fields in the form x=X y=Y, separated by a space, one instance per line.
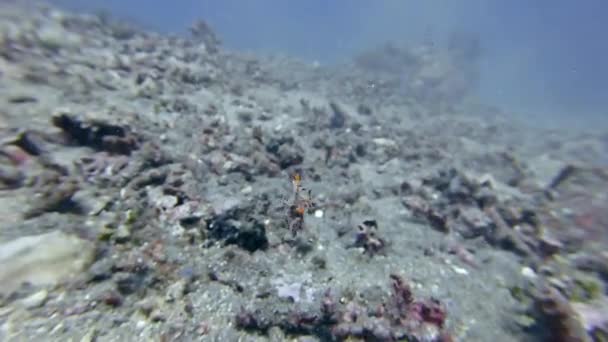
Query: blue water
x=543 y=61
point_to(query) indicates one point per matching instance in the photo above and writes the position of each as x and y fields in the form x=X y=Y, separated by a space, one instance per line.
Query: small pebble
x=35 y=300
x=460 y=270
x=141 y=324
x=318 y=213
x=90 y=336
x=123 y=233
x=176 y=291
x=112 y=298
x=157 y=316
x=166 y=202
x=528 y=273
x=57 y=329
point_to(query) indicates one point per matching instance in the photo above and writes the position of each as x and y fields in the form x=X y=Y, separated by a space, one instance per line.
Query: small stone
x=549 y=244
x=96 y=204
x=476 y=222
x=145 y=306
x=460 y=270
x=524 y=321
x=141 y=324
x=105 y=233
x=90 y=336
x=176 y=291
x=130 y=216
x=528 y=273
x=385 y=142
x=10 y=176
x=318 y=213
x=166 y=202
x=35 y=300
x=126 y=283
x=157 y=316
x=487 y=180
x=189 y=213
x=112 y=298
x=123 y=233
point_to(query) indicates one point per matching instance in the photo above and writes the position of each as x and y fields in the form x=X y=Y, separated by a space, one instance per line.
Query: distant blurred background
x=543 y=61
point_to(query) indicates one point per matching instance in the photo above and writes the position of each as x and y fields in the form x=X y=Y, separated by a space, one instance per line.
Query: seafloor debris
x=454 y=202
x=97 y=134
x=399 y=317
x=231 y=227
x=368 y=239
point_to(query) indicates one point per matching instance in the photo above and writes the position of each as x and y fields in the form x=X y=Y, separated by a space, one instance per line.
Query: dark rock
x=460 y=189
x=97 y=135
x=234 y=227
x=360 y=150
x=54 y=193
x=338 y=117
x=121 y=30
x=367 y=238
x=276 y=142
x=303 y=245
x=364 y=110
x=548 y=244
x=202 y=32
x=150 y=177
x=10 y=177
x=289 y=156
x=597 y=263
x=505 y=236
x=31 y=142
x=556 y=314
x=476 y=223
x=20 y=99
x=565 y=173
x=112 y=298
x=438 y=221
x=486 y=198
x=319 y=262
x=101 y=270
x=127 y=283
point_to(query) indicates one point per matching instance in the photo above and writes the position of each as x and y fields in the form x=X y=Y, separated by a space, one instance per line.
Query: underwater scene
x=303 y=170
